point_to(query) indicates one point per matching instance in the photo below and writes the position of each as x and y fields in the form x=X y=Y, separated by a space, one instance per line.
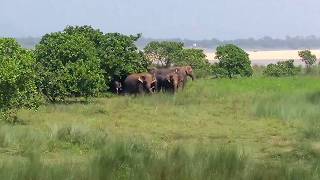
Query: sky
x=190 y=19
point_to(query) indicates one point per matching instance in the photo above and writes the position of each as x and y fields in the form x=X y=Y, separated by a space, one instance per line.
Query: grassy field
x=255 y=128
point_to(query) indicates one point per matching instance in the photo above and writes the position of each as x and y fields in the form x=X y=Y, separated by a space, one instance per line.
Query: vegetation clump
x=282 y=68
x=233 y=62
x=17 y=79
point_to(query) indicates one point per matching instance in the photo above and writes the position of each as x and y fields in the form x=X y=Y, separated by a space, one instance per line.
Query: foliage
x=218 y=72
x=234 y=61
x=163 y=53
x=307 y=57
x=118 y=53
x=17 y=78
x=68 y=66
x=120 y=56
x=194 y=58
x=282 y=68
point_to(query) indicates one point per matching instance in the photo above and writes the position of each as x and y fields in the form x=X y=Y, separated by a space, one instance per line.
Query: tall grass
x=137 y=161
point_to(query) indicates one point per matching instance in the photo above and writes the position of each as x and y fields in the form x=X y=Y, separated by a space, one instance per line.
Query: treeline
x=265 y=43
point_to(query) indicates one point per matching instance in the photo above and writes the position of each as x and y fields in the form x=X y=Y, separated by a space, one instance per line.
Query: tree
x=163 y=53
x=308 y=58
x=68 y=66
x=234 y=61
x=118 y=53
x=17 y=78
x=120 y=56
x=282 y=68
x=194 y=58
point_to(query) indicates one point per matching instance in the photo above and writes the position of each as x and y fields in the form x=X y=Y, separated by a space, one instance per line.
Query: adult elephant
x=161 y=76
x=139 y=83
x=184 y=72
x=172 y=82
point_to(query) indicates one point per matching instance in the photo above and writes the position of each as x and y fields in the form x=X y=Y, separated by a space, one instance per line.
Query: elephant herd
x=156 y=80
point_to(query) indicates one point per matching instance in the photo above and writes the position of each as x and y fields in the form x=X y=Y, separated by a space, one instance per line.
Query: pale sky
x=191 y=19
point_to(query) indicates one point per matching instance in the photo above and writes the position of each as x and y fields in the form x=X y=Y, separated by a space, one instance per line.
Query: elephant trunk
x=192 y=76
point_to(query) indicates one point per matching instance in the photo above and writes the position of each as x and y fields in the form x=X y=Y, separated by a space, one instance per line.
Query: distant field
x=267 y=57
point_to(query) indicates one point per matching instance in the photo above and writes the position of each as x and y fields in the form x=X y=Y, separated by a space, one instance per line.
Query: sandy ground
x=267 y=57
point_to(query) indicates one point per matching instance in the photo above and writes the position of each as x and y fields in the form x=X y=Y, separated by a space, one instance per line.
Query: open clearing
x=270 y=120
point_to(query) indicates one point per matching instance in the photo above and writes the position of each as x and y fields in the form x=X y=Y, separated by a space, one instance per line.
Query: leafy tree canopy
x=17 y=77
x=234 y=61
x=307 y=57
x=163 y=53
x=68 y=66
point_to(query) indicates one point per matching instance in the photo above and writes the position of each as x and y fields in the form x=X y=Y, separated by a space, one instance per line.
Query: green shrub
x=234 y=61
x=68 y=66
x=118 y=53
x=218 y=72
x=282 y=68
x=120 y=56
x=17 y=78
x=308 y=58
x=194 y=58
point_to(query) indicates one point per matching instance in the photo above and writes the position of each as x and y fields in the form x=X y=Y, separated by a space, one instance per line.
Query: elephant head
x=148 y=82
x=189 y=71
x=173 y=81
x=117 y=87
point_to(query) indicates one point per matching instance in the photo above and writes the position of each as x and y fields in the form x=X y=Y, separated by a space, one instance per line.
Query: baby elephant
x=117 y=87
x=140 y=83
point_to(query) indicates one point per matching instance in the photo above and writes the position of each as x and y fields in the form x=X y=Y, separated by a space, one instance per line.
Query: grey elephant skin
x=140 y=83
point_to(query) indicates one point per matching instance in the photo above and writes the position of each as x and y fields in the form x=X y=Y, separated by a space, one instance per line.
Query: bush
x=307 y=57
x=218 y=72
x=196 y=59
x=68 y=66
x=282 y=68
x=120 y=56
x=118 y=53
x=233 y=61
x=17 y=78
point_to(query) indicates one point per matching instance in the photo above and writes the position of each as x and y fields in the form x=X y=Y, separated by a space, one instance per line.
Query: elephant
x=162 y=78
x=173 y=81
x=117 y=87
x=184 y=72
x=161 y=75
x=140 y=83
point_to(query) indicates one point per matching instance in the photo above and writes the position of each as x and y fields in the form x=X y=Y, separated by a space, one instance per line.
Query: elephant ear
x=169 y=78
x=142 y=79
x=189 y=69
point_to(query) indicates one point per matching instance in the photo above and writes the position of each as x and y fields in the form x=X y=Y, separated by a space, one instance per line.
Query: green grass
x=255 y=128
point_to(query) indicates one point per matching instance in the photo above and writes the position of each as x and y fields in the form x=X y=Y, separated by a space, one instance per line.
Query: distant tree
x=163 y=53
x=68 y=66
x=282 y=68
x=194 y=58
x=308 y=58
x=17 y=79
x=234 y=61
